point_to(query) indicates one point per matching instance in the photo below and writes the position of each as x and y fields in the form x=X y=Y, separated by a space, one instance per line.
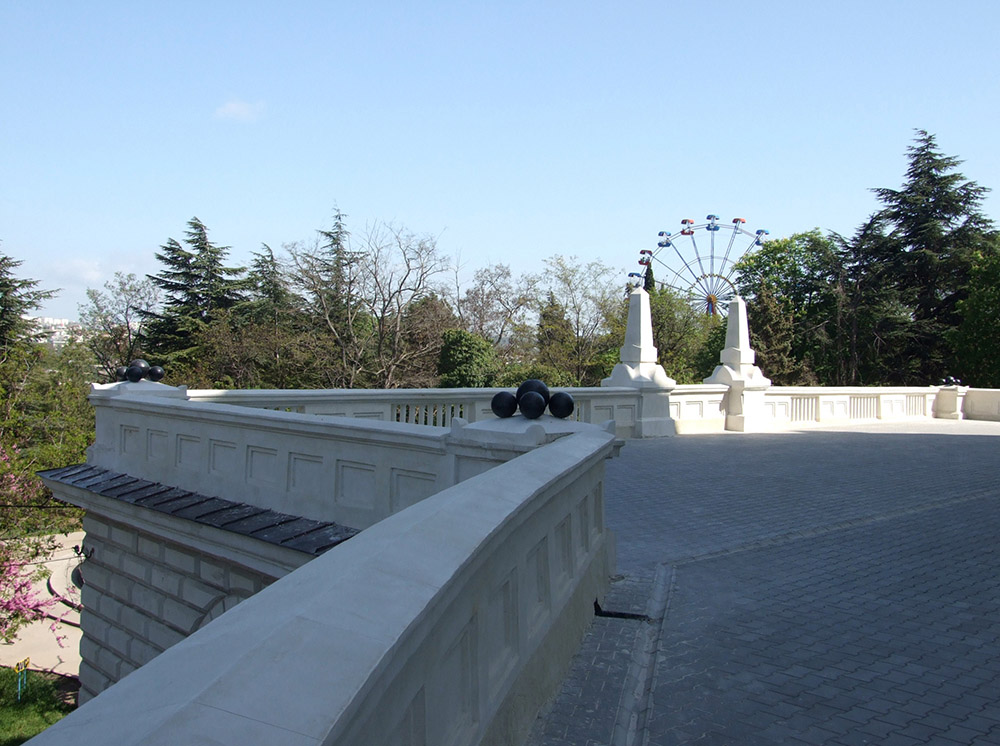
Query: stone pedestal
x=736 y=369
x=638 y=369
x=948 y=403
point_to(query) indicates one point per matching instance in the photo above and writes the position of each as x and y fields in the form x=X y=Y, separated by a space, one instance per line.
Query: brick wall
x=142 y=594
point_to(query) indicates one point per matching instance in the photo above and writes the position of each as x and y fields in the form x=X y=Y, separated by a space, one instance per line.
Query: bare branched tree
x=362 y=290
x=114 y=319
x=588 y=298
x=496 y=306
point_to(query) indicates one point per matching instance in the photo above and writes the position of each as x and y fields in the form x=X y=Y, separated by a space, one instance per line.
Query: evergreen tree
x=18 y=297
x=648 y=281
x=217 y=287
x=196 y=287
x=935 y=227
x=337 y=263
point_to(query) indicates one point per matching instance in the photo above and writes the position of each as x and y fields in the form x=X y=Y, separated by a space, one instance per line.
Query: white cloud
x=240 y=110
x=77 y=272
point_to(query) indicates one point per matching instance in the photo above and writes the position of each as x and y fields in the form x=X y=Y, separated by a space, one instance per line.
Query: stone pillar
x=638 y=369
x=736 y=369
x=949 y=402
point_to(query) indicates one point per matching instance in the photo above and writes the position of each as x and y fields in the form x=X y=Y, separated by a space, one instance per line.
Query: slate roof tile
x=294 y=532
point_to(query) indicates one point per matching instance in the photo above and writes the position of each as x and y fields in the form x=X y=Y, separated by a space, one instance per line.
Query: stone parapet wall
x=143 y=594
x=354 y=472
x=450 y=622
x=981 y=404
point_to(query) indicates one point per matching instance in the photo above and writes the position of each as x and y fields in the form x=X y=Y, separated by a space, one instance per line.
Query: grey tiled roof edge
x=281 y=529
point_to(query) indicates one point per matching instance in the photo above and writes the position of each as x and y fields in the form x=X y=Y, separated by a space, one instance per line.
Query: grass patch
x=45 y=699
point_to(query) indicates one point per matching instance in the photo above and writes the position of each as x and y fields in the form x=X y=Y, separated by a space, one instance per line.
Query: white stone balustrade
x=693 y=408
x=794 y=406
x=450 y=622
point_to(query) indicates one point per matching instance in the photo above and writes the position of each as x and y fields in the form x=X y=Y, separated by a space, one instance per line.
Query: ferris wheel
x=701 y=267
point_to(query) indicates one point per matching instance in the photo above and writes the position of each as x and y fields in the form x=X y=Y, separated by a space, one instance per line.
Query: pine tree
x=217 y=287
x=935 y=227
x=17 y=298
x=196 y=286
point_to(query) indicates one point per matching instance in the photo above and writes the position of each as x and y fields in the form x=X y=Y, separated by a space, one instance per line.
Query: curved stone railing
x=447 y=623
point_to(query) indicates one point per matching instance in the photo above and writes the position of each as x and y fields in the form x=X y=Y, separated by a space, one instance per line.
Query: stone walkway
x=52 y=644
x=819 y=587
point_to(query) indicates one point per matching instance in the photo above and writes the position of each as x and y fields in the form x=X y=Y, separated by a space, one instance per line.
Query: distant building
x=57 y=331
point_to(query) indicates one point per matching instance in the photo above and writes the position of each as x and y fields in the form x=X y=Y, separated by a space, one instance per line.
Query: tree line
x=381 y=308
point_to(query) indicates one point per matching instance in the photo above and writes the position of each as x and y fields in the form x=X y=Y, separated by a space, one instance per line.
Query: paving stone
x=822 y=583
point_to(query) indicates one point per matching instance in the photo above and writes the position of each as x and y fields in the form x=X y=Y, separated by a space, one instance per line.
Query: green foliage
x=679 y=333
x=977 y=354
x=515 y=374
x=425 y=322
x=575 y=318
x=771 y=335
x=707 y=357
x=466 y=361
x=555 y=338
x=41 y=705
x=44 y=422
x=790 y=287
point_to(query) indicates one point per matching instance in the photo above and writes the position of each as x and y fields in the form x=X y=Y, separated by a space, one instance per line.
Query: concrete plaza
x=818 y=587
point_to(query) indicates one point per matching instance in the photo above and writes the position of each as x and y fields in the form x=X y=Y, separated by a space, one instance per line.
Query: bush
x=466 y=361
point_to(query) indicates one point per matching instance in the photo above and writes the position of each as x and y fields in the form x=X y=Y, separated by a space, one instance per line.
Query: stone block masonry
x=163 y=562
x=143 y=594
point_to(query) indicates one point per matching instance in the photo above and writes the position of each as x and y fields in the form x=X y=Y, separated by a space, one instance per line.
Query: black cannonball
x=155 y=373
x=135 y=374
x=532 y=405
x=141 y=365
x=561 y=404
x=503 y=404
x=120 y=373
x=533 y=384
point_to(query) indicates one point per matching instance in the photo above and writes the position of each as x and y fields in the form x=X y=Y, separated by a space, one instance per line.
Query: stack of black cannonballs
x=532 y=398
x=137 y=370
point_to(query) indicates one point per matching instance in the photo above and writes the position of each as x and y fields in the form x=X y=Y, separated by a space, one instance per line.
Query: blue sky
x=511 y=131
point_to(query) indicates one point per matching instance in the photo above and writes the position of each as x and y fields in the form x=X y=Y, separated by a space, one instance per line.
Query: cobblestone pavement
x=820 y=587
